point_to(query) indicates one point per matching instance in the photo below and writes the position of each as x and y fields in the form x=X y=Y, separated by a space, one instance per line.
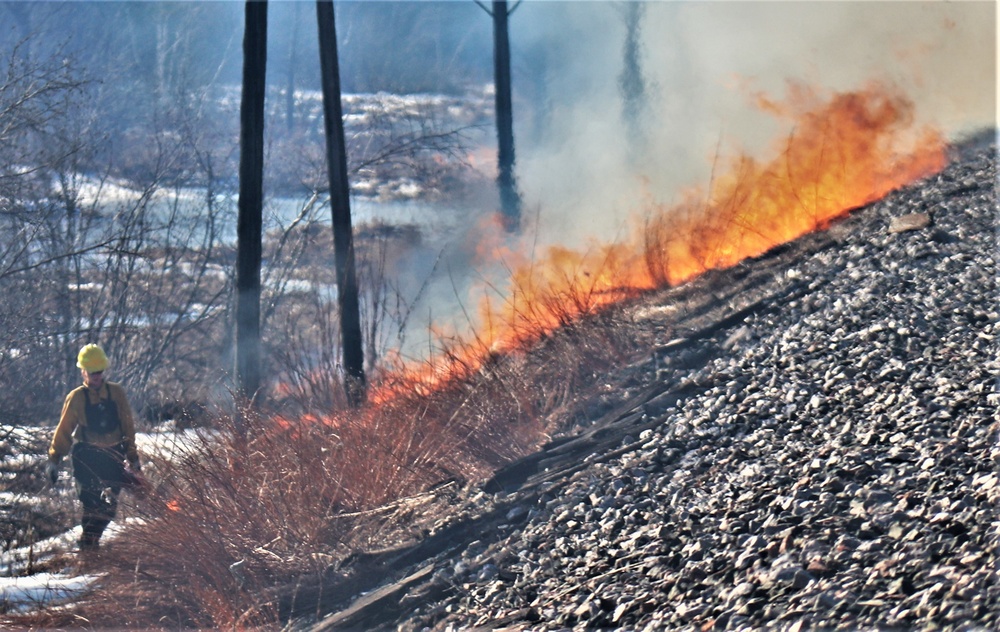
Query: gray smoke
x=576 y=167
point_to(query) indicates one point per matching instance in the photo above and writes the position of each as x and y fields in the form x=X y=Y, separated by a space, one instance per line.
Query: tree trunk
x=631 y=82
x=340 y=205
x=248 y=254
x=510 y=200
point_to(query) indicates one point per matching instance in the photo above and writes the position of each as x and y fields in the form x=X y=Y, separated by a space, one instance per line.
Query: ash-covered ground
x=812 y=445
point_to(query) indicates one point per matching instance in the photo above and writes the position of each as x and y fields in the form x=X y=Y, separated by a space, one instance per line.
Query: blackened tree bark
x=631 y=81
x=248 y=229
x=340 y=205
x=510 y=199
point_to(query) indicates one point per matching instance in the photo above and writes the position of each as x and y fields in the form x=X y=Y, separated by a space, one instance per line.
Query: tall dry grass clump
x=244 y=519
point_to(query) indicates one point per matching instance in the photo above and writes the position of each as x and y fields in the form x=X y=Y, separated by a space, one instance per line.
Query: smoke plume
x=702 y=65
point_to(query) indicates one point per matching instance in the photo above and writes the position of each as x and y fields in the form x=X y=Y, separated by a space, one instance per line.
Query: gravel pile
x=833 y=466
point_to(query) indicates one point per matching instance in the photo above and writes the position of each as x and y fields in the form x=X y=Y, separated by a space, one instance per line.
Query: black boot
x=93 y=528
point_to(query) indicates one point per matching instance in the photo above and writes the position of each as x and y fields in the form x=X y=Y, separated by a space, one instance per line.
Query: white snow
x=21 y=594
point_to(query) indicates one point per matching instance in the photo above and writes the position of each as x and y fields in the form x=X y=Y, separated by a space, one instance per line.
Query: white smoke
x=574 y=166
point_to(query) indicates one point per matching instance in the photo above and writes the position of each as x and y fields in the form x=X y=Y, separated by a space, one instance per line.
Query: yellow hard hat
x=92 y=359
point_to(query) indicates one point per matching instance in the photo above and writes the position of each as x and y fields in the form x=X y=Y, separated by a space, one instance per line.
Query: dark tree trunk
x=248 y=229
x=631 y=82
x=340 y=205
x=510 y=200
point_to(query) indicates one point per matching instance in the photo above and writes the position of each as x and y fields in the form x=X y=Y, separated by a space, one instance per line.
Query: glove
x=133 y=480
x=52 y=471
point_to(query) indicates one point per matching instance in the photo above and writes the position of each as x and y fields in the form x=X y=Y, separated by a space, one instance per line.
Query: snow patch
x=22 y=594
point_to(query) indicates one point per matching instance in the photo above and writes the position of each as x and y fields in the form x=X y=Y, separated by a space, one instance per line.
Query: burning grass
x=246 y=520
x=841 y=154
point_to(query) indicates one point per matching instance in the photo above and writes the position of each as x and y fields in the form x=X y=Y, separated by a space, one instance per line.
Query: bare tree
x=40 y=219
x=631 y=82
x=85 y=259
x=249 y=224
x=510 y=199
x=340 y=204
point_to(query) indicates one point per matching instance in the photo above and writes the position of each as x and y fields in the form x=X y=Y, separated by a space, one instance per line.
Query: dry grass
x=236 y=524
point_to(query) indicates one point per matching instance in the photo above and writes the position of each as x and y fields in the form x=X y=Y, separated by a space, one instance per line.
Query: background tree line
x=168 y=47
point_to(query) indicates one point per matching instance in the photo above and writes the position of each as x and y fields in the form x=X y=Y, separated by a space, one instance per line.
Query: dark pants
x=99 y=474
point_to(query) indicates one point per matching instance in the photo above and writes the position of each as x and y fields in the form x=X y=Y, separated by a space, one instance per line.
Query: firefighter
x=97 y=428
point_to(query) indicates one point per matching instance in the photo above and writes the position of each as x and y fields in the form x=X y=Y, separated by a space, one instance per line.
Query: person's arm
x=62 y=440
x=128 y=426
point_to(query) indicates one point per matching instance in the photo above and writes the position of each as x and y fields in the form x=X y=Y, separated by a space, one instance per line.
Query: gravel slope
x=825 y=458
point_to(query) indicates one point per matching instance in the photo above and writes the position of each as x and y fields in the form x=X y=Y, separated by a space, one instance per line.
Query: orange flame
x=840 y=155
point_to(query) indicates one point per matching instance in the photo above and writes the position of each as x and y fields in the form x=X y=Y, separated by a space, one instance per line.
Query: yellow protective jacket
x=73 y=422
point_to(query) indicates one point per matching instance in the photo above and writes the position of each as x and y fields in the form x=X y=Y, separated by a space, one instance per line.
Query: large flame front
x=838 y=156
